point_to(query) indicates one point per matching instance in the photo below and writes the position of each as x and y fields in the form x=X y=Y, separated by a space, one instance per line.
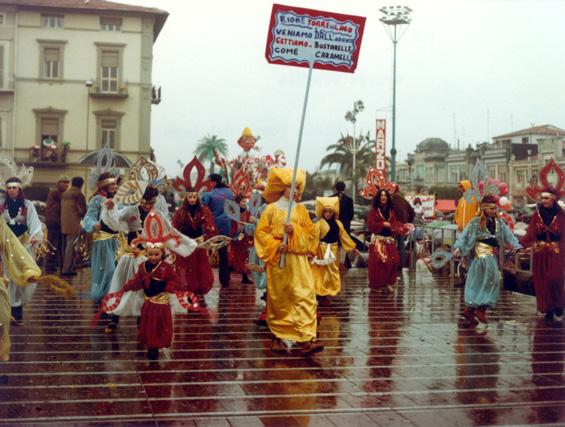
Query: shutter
x=50 y=127
x=51 y=54
x=110 y=59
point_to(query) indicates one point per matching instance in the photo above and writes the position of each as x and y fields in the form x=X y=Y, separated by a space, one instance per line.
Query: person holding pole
x=291 y=296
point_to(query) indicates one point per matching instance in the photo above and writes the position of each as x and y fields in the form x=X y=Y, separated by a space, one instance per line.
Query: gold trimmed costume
x=291 y=297
x=326 y=276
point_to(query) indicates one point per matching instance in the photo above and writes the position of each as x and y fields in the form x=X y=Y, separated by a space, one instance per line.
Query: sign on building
x=380 y=146
x=298 y=35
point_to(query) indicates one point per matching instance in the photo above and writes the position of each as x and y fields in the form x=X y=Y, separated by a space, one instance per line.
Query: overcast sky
x=468 y=70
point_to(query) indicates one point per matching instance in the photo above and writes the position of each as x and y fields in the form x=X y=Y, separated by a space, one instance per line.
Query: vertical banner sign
x=332 y=40
x=312 y=39
x=380 y=146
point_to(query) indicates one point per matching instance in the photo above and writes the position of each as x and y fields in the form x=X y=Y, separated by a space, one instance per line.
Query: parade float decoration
x=187 y=181
x=142 y=174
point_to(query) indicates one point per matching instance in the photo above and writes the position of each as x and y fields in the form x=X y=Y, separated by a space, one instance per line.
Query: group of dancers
x=148 y=265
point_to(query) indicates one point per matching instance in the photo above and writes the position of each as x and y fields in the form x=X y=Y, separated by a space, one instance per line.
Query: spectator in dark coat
x=73 y=208
x=405 y=215
x=345 y=215
x=53 y=222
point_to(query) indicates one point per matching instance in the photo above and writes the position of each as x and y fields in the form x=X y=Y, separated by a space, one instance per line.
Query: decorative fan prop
x=551 y=176
x=375 y=182
x=439 y=258
x=25 y=174
x=183 y=184
x=232 y=211
x=255 y=203
x=142 y=174
x=215 y=243
x=130 y=193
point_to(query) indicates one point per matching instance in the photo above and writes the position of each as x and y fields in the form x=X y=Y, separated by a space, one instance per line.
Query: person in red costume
x=383 y=254
x=239 y=247
x=157 y=279
x=546 y=234
x=197 y=222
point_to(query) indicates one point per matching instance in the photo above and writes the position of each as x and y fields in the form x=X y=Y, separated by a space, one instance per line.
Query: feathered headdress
x=186 y=183
x=482 y=185
x=104 y=163
x=375 y=182
x=534 y=190
x=24 y=174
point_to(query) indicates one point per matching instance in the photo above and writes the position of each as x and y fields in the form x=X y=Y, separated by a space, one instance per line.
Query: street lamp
x=394 y=16
x=351 y=116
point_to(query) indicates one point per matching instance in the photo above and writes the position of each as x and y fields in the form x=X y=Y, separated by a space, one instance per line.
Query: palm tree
x=207 y=147
x=342 y=155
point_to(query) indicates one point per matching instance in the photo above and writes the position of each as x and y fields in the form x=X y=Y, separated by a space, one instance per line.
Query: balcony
x=121 y=92
x=47 y=155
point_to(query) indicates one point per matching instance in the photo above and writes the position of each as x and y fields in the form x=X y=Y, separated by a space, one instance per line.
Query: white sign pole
x=294 y=171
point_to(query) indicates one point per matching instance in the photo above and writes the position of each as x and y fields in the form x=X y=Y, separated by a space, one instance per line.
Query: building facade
x=515 y=158
x=75 y=75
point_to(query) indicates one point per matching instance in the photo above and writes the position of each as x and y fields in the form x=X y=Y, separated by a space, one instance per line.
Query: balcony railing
x=97 y=92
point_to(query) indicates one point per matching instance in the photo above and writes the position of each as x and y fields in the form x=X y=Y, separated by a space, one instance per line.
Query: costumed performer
x=22 y=219
x=332 y=236
x=104 y=235
x=240 y=244
x=291 y=296
x=546 y=235
x=482 y=238
x=384 y=258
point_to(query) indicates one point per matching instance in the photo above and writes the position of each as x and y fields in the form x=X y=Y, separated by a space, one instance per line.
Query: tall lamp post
x=394 y=17
x=351 y=116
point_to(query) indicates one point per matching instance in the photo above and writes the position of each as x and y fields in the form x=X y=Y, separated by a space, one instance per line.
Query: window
x=108 y=123
x=525 y=140
x=110 y=24
x=109 y=71
x=49 y=129
x=441 y=174
x=51 y=62
x=420 y=172
x=52 y=21
x=108 y=130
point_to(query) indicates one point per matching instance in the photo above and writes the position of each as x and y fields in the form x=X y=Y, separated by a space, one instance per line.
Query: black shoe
x=245 y=280
x=153 y=353
x=69 y=273
x=558 y=312
x=260 y=322
x=18 y=315
x=549 y=315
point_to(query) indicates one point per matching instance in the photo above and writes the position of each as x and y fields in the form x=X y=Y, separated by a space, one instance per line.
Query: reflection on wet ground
x=401 y=359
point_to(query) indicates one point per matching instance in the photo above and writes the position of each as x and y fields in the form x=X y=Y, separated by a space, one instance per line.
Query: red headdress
x=534 y=190
x=186 y=183
x=376 y=181
x=154 y=233
x=241 y=185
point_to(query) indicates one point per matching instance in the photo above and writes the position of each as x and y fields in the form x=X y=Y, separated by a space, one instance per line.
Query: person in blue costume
x=104 y=235
x=215 y=199
x=483 y=236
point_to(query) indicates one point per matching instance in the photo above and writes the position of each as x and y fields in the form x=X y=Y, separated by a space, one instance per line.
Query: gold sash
x=162 y=298
x=24 y=238
x=552 y=246
x=102 y=235
x=483 y=250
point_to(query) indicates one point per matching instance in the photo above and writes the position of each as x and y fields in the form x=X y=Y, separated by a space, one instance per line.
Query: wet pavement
x=390 y=360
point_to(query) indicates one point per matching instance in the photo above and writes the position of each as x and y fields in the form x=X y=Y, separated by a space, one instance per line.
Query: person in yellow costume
x=332 y=234
x=291 y=297
x=22 y=270
x=465 y=211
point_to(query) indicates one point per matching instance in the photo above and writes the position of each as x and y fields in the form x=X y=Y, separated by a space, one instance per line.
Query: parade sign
x=380 y=146
x=428 y=202
x=297 y=36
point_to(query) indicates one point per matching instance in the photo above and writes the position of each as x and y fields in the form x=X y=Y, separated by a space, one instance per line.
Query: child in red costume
x=239 y=247
x=157 y=279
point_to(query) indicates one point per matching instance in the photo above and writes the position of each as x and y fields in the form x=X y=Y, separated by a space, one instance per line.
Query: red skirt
x=156 y=325
x=195 y=273
x=238 y=255
x=548 y=279
x=383 y=264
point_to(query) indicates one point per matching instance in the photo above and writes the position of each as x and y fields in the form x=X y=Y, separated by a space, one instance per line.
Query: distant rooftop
x=102 y=7
x=547 y=130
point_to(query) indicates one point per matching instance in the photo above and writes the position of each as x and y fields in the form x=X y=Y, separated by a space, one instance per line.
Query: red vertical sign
x=380 y=146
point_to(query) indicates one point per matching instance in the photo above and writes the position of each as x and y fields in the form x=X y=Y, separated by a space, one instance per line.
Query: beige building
x=74 y=75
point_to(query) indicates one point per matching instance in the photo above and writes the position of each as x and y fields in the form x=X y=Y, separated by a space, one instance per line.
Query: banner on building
x=380 y=146
x=298 y=35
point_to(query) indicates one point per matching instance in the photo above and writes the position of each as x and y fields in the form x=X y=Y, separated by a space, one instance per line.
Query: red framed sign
x=332 y=40
x=380 y=146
